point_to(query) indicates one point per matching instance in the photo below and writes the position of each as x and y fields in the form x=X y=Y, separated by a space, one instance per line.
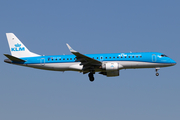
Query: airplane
x=108 y=64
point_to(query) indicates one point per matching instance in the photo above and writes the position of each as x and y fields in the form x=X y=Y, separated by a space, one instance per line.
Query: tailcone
x=7 y=61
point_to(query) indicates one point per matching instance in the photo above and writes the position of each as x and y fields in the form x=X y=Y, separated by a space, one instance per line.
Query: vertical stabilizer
x=17 y=48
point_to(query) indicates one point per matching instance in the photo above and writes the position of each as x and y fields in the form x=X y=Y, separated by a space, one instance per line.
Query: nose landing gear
x=156 y=69
x=157 y=74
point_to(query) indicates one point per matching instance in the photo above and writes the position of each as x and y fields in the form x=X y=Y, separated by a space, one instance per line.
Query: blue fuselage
x=127 y=60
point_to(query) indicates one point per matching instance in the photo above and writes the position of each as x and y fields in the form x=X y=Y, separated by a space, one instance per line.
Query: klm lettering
x=18 y=49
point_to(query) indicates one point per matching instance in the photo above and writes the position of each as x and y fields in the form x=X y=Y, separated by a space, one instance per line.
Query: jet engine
x=111 y=69
x=111 y=66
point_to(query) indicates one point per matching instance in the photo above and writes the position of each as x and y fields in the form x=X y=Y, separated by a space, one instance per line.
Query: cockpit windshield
x=164 y=55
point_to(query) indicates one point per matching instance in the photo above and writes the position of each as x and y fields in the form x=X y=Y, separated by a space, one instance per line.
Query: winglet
x=70 y=48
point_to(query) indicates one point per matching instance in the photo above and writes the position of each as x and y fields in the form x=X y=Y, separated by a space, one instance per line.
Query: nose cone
x=173 y=62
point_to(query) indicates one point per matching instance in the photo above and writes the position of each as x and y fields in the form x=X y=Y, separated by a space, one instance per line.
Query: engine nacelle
x=111 y=69
x=110 y=73
x=111 y=66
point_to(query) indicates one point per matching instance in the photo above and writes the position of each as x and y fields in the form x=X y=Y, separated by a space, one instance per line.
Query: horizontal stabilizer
x=14 y=59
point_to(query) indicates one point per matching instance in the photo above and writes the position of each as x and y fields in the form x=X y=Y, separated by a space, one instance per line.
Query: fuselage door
x=154 y=58
x=42 y=61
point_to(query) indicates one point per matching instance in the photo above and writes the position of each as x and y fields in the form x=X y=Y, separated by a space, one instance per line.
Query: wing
x=86 y=61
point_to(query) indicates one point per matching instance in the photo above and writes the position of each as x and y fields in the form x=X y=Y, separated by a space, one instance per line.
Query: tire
x=157 y=74
x=91 y=77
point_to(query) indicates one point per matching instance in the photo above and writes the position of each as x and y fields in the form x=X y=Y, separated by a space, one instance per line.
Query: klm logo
x=18 y=48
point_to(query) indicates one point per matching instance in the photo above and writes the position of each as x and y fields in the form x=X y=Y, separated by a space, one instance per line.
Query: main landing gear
x=91 y=76
x=156 y=69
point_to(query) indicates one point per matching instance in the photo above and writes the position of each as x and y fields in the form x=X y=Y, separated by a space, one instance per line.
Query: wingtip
x=70 y=48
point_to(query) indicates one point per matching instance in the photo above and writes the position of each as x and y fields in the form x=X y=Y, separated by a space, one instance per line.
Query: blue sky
x=94 y=26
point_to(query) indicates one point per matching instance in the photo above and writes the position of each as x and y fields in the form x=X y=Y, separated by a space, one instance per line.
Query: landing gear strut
x=156 y=69
x=91 y=76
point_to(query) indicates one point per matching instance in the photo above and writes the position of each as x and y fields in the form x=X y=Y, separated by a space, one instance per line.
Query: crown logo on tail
x=17 y=45
x=18 y=48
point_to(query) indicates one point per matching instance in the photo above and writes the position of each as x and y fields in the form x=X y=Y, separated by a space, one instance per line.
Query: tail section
x=17 y=48
x=12 y=58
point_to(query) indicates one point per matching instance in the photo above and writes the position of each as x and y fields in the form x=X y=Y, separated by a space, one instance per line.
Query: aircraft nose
x=173 y=62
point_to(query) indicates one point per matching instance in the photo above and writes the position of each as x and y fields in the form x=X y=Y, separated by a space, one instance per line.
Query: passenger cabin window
x=106 y=57
x=125 y=56
x=70 y=58
x=67 y=58
x=59 y=58
x=132 y=56
x=117 y=57
x=136 y=56
x=140 y=56
x=63 y=58
x=129 y=56
x=109 y=57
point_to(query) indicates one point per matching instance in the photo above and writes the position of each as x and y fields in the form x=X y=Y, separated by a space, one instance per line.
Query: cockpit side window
x=163 y=55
